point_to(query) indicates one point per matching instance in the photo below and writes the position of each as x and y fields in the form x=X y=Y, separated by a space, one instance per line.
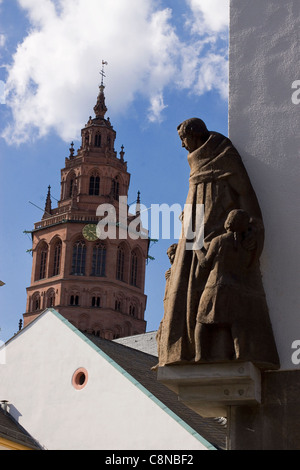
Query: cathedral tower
x=95 y=283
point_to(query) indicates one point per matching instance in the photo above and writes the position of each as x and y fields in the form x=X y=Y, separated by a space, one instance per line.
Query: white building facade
x=69 y=395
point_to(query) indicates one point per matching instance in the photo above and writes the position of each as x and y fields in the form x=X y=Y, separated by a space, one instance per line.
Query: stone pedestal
x=209 y=389
x=272 y=425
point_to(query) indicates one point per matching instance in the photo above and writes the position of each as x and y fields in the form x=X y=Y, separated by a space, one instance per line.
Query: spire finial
x=138 y=204
x=122 y=153
x=100 y=108
x=48 y=207
x=72 y=150
x=102 y=72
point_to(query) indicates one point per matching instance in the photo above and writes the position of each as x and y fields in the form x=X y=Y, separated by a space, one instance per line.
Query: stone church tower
x=95 y=283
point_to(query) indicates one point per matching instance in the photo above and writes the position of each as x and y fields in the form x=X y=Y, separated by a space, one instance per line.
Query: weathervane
x=102 y=71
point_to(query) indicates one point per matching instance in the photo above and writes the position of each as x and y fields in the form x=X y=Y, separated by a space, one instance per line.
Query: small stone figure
x=171 y=252
x=217 y=336
x=218 y=181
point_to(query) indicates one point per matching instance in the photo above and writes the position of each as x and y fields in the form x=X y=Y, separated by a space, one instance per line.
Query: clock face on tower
x=89 y=232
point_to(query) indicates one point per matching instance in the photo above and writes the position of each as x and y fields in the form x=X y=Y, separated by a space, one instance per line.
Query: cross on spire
x=100 y=108
x=102 y=71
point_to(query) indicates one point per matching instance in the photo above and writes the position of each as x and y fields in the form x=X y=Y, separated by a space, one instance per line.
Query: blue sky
x=167 y=61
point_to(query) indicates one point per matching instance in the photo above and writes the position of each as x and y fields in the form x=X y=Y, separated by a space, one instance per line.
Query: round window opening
x=80 y=378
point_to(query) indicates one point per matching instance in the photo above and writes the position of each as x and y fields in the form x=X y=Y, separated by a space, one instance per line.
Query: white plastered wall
x=264 y=126
x=111 y=412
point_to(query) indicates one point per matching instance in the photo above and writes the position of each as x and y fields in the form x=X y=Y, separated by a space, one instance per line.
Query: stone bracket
x=209 y=389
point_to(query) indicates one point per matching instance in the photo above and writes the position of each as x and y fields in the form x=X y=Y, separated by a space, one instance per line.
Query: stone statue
x=171 y=252
x=200 y=323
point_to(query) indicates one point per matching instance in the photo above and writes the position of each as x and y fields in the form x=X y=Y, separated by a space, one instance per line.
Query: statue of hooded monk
x=219 y=183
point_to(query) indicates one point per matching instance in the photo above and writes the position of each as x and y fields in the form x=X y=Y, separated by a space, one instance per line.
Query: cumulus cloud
x=156 y=107
x=2 y=83
x=205 y=66
x=2 y=92
x=54 y=72
x=209 y=16
x=2 y=36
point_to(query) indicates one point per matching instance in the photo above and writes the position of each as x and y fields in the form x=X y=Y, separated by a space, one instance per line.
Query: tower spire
x=138 y=204
x=48 y=207
x=100 y=108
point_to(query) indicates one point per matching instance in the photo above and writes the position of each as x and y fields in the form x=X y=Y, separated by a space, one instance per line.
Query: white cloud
x=54 y=73
x=156 y=108
x=205 y=62
x=212 y=73
x=2 y=39
x=2 y=92
x=2 y=36
x=209 y=15
x=55 y=69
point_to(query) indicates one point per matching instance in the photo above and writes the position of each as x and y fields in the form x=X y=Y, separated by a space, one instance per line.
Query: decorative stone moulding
x=209 y=389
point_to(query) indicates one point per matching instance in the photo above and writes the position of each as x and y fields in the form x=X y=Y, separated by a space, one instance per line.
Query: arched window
x=57 y=258
x=118 y=305
x=94 y=189
x=132 y=310
x=99 y=260
x=115 y=188
x=50 y=299
x=70 y=184
x=42 y=257
x=78 y=258
x=98 y=140
x=120 y=264
x=71 y=187
x=74 y=300
x=36 y=302
x=96 y=302
x=134 y=269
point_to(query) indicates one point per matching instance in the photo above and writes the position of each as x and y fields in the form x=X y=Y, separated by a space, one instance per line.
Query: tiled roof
x=145 y=342
x=12 y=431
x=138 y=365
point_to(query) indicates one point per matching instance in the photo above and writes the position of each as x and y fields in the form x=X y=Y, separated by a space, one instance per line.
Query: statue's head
x=193 y=133
x=171 y=251
x=237 y=221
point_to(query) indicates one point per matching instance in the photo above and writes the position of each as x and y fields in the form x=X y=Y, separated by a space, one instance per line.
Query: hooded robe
x=219 y=181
